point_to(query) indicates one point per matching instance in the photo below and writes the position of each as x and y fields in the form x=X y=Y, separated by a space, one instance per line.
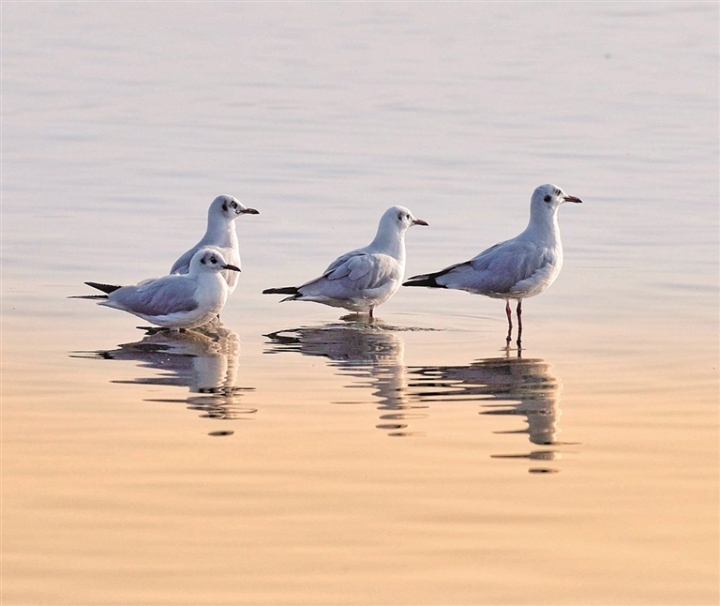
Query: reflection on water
x=205 y=360
x=369 y=351
x=373 y=353
x=505 y=386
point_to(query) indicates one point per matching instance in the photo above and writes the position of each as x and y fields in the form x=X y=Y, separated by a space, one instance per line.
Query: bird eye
x=233 y=204
x=213 y=260
x=547 y=198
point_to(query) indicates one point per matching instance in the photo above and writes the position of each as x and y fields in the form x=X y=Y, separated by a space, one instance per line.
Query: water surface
x=287 y=456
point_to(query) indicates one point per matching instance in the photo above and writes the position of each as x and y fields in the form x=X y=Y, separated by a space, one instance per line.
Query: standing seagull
x=362 y=279
x=515 y=269
x=176 y=301
x=220 y=234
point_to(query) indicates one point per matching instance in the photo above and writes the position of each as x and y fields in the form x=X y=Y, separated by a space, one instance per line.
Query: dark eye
x=213 y=260
x=233 y=204
x=547 y=198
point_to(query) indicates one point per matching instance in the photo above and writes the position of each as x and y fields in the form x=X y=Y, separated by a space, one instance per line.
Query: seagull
x=361 y=279
x=515 y=269
x=220 y=234
x=178 y=300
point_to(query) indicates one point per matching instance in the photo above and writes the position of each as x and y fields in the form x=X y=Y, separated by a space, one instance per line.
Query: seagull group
x=202 y=278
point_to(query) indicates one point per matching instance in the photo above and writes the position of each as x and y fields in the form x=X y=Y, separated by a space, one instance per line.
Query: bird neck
x=221 y=233
x=390 y=242
x=543 y=226
x=211 y=281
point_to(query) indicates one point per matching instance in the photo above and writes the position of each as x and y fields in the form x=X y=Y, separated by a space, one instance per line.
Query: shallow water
x=291 y=457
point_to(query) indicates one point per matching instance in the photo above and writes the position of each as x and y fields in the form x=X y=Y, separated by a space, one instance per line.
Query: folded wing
x=162 y=297
x=353 y=273
x=498 y=270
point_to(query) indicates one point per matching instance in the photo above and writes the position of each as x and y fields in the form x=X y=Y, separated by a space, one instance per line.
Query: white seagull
x=220 y=234
x=362 y=279
x=515 y=269
x=178 y=300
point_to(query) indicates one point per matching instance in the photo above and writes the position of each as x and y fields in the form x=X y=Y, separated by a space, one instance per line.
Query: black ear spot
x=202 y=260
x=225 y=206
x=547 y=198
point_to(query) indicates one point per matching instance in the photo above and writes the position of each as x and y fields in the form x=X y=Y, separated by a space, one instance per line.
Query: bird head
x=401 y=218
x=210 y=259
x=230 y=208
x=549 y=197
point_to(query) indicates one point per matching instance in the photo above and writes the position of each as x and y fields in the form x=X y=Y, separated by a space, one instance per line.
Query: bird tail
x=285 y=290
x=429 y=280
x=293 y=291
x=106 y=288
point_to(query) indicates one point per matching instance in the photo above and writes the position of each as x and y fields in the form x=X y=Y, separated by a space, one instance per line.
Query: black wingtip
x=285 y=290
x=106 y=288
x=428 y=280
x=91 y=297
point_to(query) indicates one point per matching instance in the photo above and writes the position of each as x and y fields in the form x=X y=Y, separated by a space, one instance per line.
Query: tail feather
x=428 y=280
x=285 y=290
x=91 y=297
x=106 y=288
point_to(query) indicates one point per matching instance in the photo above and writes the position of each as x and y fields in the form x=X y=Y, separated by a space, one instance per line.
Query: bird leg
x=508 y=312
x=519 y=317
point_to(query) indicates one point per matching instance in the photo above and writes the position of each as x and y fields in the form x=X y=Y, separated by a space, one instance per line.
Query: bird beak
x=231 y=267
x=573 y=199
x=419 y=222
x=247 y=211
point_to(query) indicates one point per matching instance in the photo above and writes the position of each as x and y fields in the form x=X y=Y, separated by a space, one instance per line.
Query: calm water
x=290 y=457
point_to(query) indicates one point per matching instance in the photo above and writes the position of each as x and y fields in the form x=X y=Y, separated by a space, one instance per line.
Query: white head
x=210 y=260
x=399 y=218
x=547 y=198
x=229 y=208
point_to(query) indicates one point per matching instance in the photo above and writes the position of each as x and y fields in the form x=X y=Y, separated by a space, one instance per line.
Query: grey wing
x=499 y=268
x=364 y=270
x=353 y=272
x=338 y=267
x=161 y=297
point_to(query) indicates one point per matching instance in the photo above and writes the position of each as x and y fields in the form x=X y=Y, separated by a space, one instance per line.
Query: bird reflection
x=505 y=386
x=206 y=360
x=369 y=352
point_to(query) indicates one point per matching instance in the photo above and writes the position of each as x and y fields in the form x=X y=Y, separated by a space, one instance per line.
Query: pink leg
x=519 y=317
x=508 y=312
